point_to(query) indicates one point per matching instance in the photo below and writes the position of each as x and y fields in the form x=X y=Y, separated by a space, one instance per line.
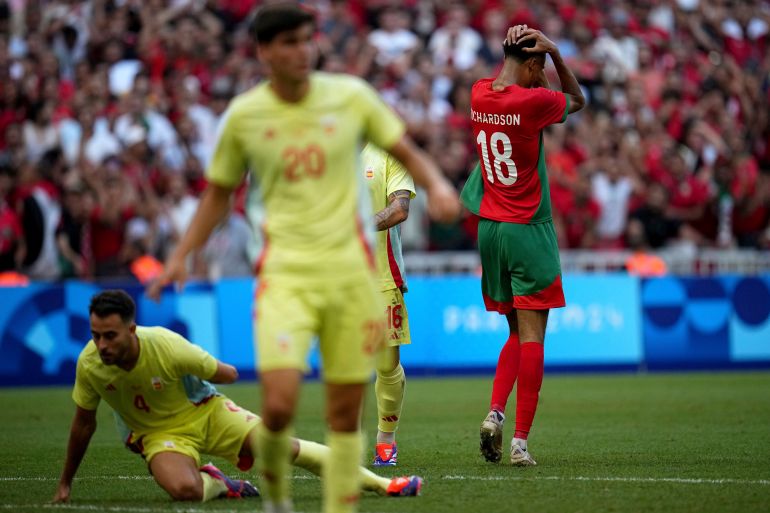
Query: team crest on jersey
x=369 y=173
x=157 y=383
x=284 y=342
x=328 y=123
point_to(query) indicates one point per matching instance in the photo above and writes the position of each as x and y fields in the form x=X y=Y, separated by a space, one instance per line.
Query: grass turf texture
x=615 y=443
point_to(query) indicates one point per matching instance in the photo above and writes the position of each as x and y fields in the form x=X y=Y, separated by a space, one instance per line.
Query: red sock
x=505 y=373
x=528 y=391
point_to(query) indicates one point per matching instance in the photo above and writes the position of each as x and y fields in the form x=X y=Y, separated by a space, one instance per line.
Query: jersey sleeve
x=83 y=393
x=473 y=191
x=381 y=125
x=190 y=358
x=550 y=106
x=228 y=163
x=397 y=179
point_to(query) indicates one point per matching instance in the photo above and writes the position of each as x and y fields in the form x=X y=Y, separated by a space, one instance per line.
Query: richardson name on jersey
x=496 y=119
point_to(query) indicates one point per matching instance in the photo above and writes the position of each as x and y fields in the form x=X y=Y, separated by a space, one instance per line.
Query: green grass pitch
x=697 y=442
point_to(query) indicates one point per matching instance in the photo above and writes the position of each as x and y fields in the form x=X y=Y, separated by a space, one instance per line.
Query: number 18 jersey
x=511 y=183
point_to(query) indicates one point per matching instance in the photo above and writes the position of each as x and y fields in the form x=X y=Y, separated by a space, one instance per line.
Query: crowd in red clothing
x=109 y=109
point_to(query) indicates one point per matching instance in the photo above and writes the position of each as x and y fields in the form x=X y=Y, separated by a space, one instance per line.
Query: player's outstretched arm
x=213 y=207
x=83 y=427
x=443 y=203
x=569 y=84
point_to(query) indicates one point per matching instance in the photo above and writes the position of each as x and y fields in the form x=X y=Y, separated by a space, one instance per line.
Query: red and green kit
x=509 y=191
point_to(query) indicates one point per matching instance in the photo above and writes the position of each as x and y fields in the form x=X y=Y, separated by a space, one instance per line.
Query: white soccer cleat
x=491 y=433
x=520 y=456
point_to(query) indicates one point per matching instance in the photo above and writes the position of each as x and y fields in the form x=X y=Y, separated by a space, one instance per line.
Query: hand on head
x=519 y=34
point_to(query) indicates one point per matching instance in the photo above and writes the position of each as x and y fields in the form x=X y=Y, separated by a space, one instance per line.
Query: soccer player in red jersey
x=521 y=273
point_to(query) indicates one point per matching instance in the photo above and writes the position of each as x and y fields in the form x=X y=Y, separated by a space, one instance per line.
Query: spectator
x=160 y=134
x=455 y=43
x=611 y=189
x=108 y=219
x=40 y=135
x=231 y=250
x=71 y=232
x=12 y=246
x=395 y=43
x=38 y=200
x=580 y=225
x=179 y=205
x=649 y=226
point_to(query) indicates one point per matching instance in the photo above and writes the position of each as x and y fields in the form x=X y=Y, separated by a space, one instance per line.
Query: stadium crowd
x=109 y=111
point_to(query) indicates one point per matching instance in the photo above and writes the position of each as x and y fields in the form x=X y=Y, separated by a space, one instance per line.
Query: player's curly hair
x=516 y=50
x=111 y=302
x=272 y=19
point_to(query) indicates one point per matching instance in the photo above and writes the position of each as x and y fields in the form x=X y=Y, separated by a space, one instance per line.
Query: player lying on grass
x=159 y=386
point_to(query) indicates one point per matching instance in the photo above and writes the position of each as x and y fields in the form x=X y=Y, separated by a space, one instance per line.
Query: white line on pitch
x=105 y=478
x=116 y=509
x=676 y=480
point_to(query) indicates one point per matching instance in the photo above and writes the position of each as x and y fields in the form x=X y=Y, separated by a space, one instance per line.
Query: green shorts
x=520 y=266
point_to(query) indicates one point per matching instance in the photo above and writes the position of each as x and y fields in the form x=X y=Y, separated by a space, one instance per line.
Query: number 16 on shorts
x=396 y=319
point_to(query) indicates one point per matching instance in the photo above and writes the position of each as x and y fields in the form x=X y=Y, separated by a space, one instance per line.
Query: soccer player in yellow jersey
x=159 y=386
x=391 y=189
x=300 y=133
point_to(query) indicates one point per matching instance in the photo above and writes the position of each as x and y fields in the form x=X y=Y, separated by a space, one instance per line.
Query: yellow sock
x=273 y=462
x=212 y=488
x=389 y=390
x=341 y=483
x=312 y=455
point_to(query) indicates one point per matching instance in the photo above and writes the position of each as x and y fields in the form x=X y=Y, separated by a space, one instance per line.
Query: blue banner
x=451 y=329
x=706 y=322
x=609 y=321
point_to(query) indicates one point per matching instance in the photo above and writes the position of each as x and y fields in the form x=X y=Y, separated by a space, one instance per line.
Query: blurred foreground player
x=300 y=133
x=159 y=387
x=521 y=272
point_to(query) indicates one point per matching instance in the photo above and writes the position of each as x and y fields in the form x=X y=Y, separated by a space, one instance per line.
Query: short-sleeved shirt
x=507 y=127
x=159 y=393
x=385 y=175
x=306 y=190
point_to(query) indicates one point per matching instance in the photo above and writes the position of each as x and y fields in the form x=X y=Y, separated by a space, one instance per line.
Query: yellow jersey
x=159 y=393
x=306 y=194
x=385 y=175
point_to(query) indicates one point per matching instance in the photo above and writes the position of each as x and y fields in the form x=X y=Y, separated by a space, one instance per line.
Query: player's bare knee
x=276 y=414
x=343 y=418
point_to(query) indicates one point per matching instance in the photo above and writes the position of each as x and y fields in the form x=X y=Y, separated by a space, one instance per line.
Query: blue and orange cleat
x=405 y=486
x=236 y=488
x=385 y=455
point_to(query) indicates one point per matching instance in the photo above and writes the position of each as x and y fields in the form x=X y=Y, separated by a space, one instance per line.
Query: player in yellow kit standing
x=391 y=189
x=159 y=387
x=300 y=133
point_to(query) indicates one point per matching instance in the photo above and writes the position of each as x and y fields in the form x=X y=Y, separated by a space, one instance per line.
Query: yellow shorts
x=219 y=430
x=346 y=318
x=396 y=318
